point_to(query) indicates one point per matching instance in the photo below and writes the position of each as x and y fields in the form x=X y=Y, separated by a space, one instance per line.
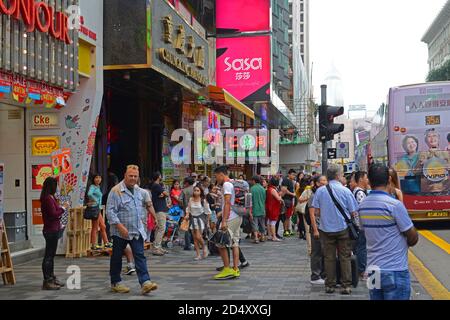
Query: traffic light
x=327 y=127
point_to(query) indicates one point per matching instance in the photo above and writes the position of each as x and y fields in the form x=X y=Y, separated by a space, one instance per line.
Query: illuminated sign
x=37 y=213
x=44 y=146
x=242 y=16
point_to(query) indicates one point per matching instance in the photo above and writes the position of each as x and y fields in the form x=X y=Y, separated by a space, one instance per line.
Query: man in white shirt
x=231 y=222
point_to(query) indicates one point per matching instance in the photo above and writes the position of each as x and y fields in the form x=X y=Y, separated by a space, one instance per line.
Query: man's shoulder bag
x=352 y=227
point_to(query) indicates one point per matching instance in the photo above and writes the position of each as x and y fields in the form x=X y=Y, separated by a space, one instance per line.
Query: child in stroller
x=172 y=225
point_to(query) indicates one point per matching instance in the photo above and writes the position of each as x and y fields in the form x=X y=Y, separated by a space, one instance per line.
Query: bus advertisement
x=419 y=147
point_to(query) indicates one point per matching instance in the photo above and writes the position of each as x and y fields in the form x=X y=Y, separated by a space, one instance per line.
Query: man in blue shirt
x=333 y=228
x=389 y=233
x=126 y=214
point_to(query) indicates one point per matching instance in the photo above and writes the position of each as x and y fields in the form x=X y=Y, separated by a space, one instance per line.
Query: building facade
x=51 y=92
x=437 y=37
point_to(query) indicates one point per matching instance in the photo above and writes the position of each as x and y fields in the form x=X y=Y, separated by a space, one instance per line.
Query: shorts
x=289 y=212
x=258 y=224
x=272 y=222
x=234 y=228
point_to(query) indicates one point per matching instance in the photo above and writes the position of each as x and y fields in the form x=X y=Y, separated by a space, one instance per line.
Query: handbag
x=353 y=229
x=184 y=225
x=221 y=238
x=91 y=213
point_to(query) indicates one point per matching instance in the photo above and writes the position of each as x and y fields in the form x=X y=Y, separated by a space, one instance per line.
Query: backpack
x=242 y=198
x=357 y=192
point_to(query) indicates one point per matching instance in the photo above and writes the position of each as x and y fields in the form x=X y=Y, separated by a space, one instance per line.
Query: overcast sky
x=374 y=44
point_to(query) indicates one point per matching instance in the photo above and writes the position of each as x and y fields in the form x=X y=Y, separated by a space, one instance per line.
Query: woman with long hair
x=303 y=227
x=94 y=199
x=198 y=212
x=51 y=214
x=273 y=208
x=394 y=185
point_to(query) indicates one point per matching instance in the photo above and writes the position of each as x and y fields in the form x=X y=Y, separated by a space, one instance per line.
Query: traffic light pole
x=324 y=143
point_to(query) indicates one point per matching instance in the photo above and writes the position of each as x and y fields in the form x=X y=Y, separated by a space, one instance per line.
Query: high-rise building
x=437 y=37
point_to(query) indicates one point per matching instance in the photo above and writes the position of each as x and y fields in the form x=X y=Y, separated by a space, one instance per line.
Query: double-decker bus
x=418 y=147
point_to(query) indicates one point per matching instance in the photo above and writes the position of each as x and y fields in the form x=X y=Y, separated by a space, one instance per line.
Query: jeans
x=331 y=242
x=137 y=247
x=360 y=249
x=395 y=285
x=51 y=244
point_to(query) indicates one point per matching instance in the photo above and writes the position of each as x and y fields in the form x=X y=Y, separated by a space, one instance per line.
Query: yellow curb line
x=432 y=285
x=441 y=243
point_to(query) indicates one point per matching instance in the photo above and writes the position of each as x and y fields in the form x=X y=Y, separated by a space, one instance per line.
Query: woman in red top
x=175 y=193
x=51 y=214
x=273 y=207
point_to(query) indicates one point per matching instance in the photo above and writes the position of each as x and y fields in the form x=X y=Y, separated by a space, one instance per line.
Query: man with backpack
x=359 y=247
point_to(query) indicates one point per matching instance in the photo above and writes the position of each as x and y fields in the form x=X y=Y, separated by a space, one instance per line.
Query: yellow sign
x=44 y=146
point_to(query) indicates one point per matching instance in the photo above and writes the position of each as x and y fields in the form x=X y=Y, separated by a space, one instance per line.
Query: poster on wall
x=167 y=164
x=40 y=172
x=243 y=67
x=61 y=162
x=37 y=214
x=2 y=170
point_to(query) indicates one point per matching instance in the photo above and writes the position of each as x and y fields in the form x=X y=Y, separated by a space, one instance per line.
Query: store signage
x=40 y=16
x=45 y=121
x=180 y=52
x=61 y=162
x=40 y=172
x=243 y=67
x=44 y=146
x=36 y=212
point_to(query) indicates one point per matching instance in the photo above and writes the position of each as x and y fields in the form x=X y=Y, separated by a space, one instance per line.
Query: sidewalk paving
x=277 y=271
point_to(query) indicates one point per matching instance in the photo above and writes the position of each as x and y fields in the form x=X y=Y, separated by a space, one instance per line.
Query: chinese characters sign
x=178 y=50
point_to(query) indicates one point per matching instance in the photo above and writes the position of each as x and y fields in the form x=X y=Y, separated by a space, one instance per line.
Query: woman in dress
x=273 y=208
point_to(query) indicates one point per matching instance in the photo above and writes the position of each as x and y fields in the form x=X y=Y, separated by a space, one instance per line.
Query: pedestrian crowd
x=349 y=224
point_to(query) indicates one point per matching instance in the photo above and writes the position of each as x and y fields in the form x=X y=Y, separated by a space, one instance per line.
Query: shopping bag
x=184 y=225
x=151 y=225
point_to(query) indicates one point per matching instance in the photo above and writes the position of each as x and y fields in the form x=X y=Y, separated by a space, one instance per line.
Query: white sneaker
x=318 y=282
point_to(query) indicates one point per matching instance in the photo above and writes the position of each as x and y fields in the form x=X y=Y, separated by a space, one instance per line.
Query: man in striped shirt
x=389 y=232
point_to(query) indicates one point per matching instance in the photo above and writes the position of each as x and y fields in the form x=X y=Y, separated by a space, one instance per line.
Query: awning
x=220 y=95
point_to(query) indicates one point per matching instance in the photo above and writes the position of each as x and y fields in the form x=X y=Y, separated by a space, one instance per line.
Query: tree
x=440 y=74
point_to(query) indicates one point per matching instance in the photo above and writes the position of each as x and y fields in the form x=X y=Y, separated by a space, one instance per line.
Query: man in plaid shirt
x=126 y=215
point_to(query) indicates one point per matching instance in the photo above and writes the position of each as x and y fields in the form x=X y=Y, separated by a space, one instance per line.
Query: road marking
x=432 y=285
x=441 y=243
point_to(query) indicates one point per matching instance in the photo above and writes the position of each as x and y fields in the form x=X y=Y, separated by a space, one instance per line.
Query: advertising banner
x=40 y=172
x=242 y=16
x=419 y=144
x=61 y=162
x=243 y=67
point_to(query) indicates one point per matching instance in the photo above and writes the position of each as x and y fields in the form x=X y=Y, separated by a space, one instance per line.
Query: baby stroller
x=172 y=225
